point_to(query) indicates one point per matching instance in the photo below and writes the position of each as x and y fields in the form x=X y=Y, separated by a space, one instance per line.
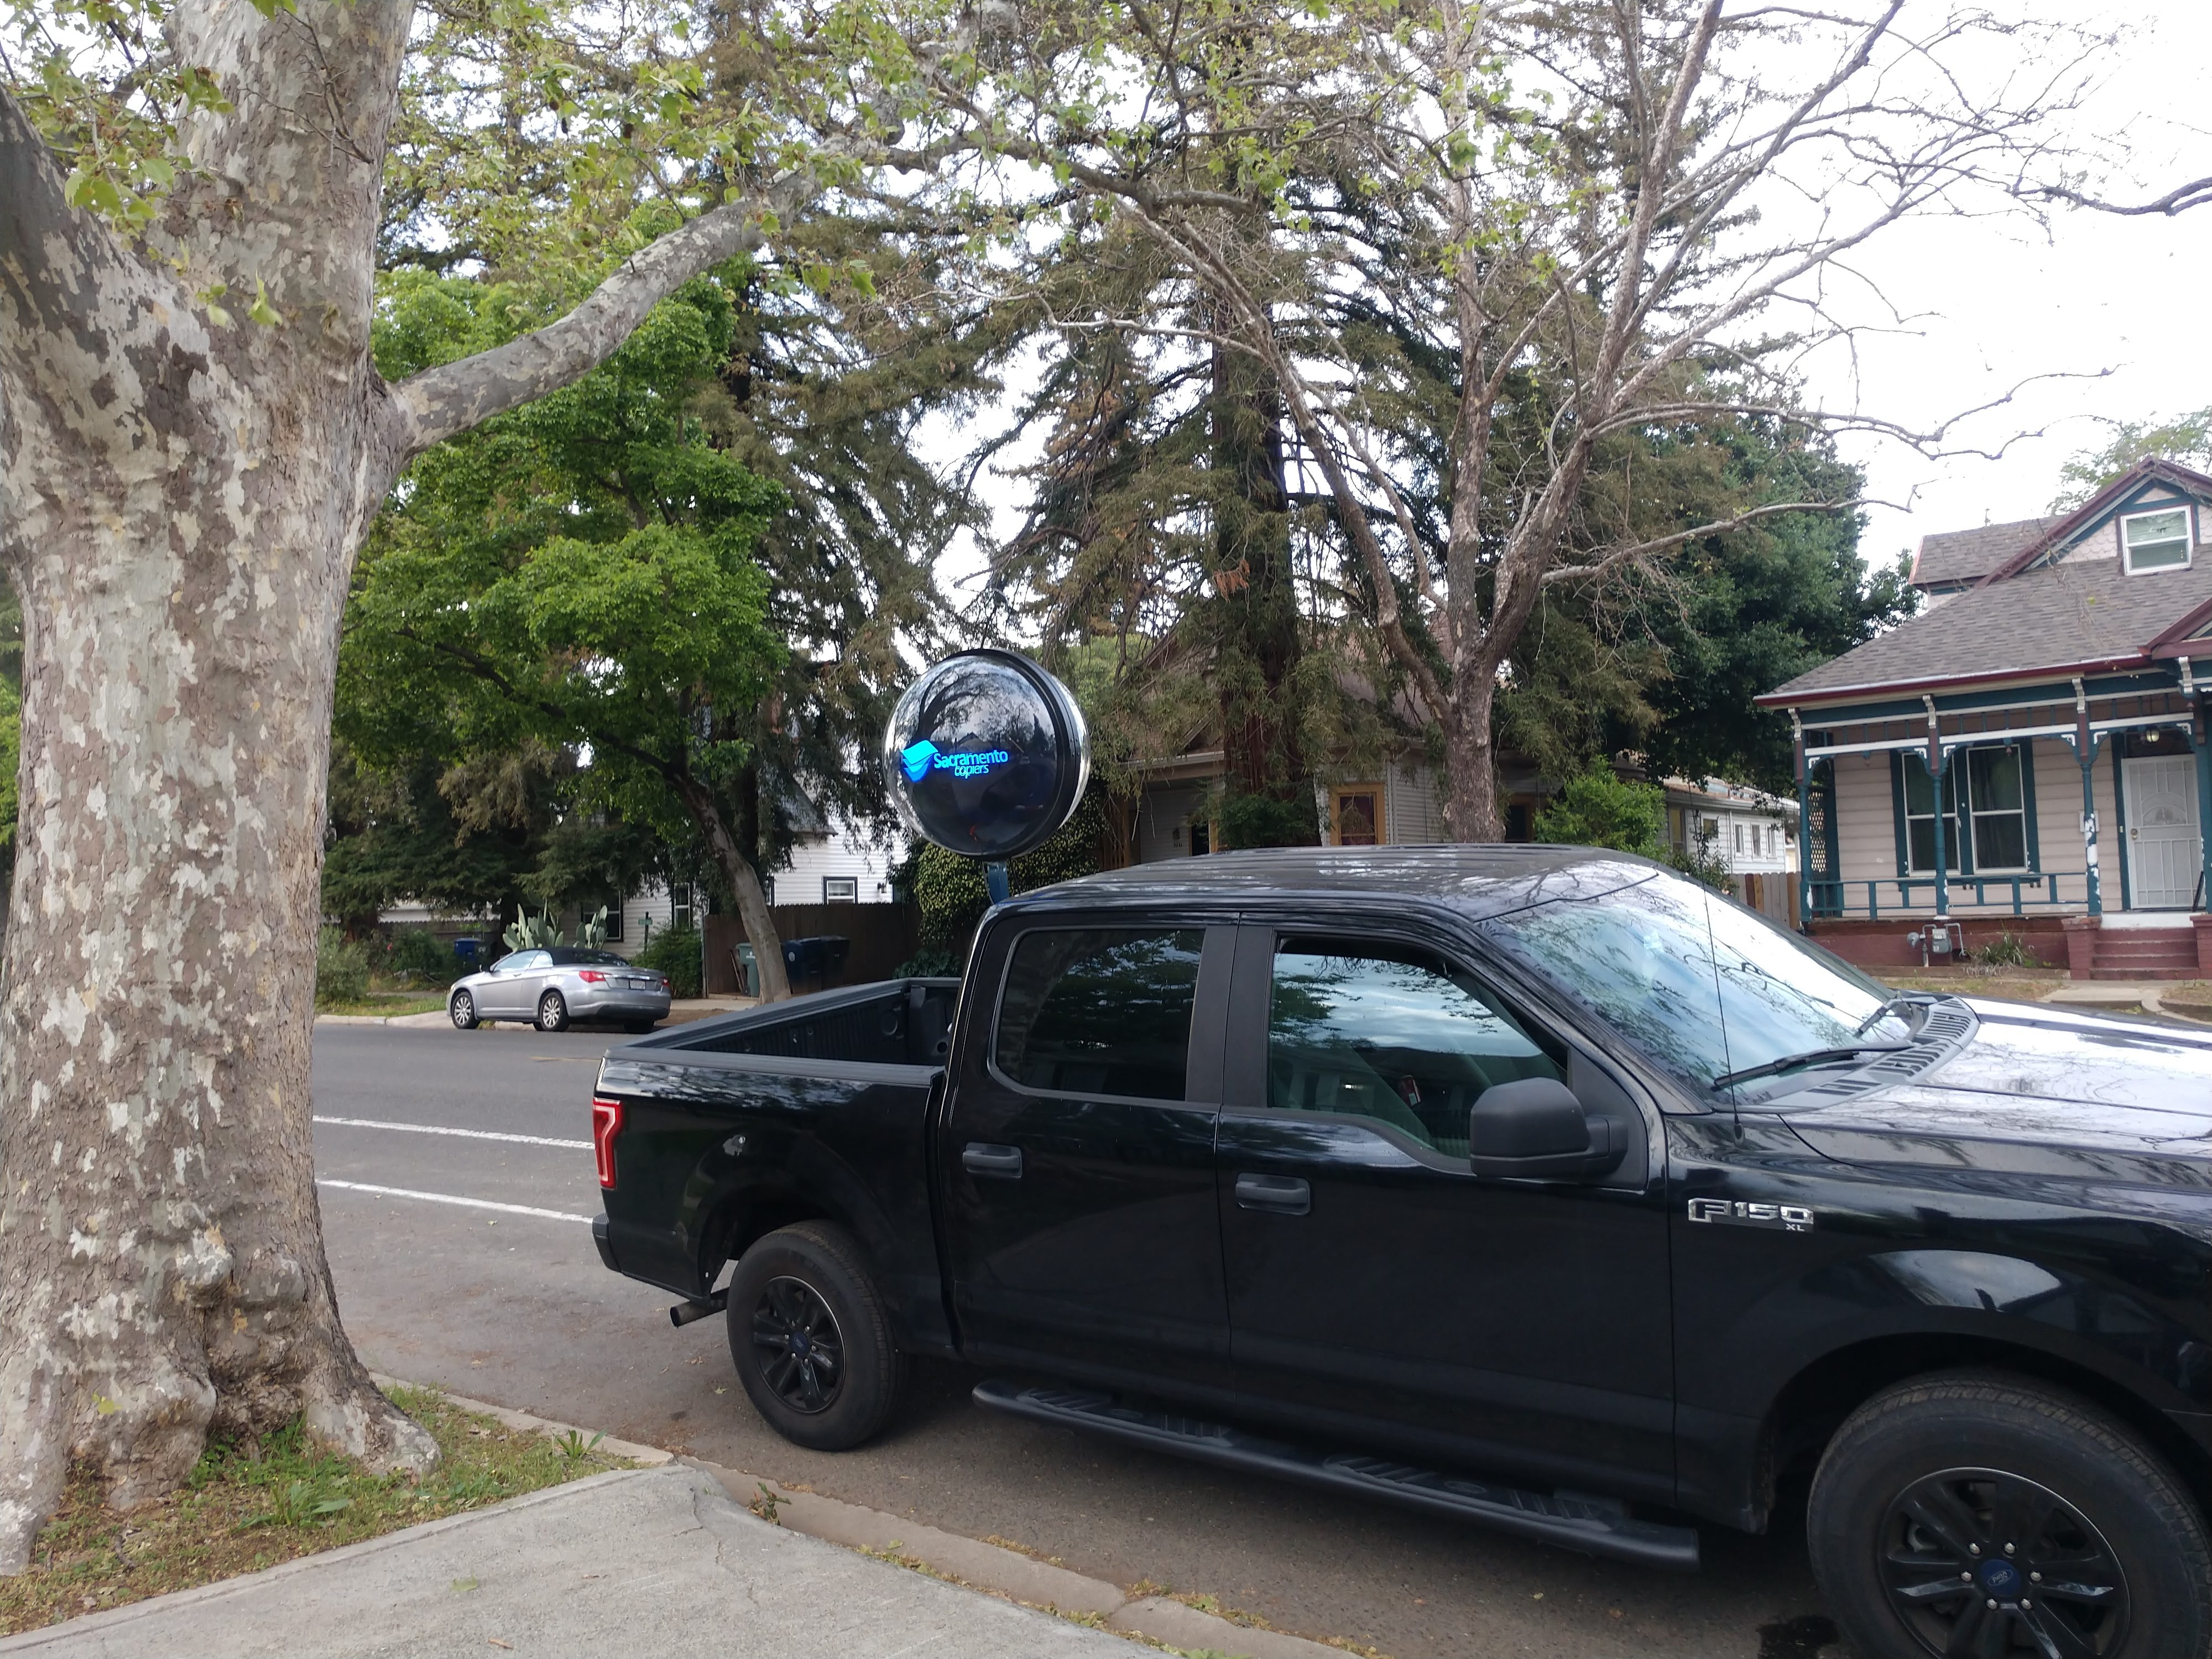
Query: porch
x=2066 y=814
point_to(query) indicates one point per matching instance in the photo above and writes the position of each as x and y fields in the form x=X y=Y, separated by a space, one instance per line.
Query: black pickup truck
x=1538 y=1186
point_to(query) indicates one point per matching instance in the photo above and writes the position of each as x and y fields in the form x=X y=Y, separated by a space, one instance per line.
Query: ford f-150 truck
x=1539 y=1186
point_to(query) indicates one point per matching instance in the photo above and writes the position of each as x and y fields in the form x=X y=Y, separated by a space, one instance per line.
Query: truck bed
x=727 y=1121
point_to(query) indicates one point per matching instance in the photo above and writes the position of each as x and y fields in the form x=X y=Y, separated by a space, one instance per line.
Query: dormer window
x=2155 y=541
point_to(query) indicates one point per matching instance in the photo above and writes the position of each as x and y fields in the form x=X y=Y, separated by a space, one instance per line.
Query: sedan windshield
x=1707 y=988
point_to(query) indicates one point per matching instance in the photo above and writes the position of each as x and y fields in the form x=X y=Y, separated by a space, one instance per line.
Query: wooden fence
x=883 y=936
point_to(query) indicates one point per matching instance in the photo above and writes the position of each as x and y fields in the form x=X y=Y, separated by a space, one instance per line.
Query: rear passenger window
x=1397 y=1035
x=1100 y=1010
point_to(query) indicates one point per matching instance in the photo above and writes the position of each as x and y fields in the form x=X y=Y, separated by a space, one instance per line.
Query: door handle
x=1003 y=1163
x=1284 y=1195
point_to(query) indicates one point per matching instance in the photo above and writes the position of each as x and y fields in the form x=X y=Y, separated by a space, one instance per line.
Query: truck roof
x=1479 y=879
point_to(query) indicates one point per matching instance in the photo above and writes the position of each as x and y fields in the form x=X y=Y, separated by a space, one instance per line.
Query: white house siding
x=816 y=858
x=1412 y=805
x=1866 y=837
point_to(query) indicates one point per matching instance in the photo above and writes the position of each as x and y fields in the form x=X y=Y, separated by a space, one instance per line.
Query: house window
x=679 y=907
x=1993 y=813
x=1998 y=804
x=614 y=920
x=2155 y=541
x=1739 y=838
x=1359 y=815
x=841 y=889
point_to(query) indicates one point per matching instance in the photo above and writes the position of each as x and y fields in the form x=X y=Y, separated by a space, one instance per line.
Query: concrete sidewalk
x=655 y=1562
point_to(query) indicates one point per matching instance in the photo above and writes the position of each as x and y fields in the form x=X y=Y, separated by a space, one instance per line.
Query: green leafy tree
x=1599 y=808
x=577 y=573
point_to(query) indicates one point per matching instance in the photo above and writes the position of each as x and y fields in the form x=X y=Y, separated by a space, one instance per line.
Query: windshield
x=1704 y=986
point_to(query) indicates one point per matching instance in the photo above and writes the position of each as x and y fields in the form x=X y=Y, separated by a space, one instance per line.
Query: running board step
x=1593 y=1526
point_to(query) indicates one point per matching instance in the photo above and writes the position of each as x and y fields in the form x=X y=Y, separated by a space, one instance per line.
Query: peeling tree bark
x=181 y=504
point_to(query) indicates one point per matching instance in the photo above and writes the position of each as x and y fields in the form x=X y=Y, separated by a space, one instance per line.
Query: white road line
x=471 y=1134
x=448 y=1198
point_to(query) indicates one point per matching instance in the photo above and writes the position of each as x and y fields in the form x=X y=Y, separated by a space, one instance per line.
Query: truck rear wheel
x=1983 y=1514
x=811 y=1338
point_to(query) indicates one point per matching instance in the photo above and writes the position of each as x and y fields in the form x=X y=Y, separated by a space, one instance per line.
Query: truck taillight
x=606 y=1124
x=591 y=976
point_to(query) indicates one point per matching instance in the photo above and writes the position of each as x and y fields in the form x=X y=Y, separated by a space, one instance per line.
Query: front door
x=1379 y=1291
x=1080 y=1153
x=2165 y=859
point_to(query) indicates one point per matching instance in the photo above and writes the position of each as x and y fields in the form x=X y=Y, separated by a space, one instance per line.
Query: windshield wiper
x=1922 y=1000
x=1810 y=1057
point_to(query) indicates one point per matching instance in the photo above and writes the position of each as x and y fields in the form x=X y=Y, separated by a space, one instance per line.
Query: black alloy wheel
x=796 y=1345
x=1983 y=1515
x=552 y=1013
x=464 y=1011
x=1981 y=1561
x=810 y=1337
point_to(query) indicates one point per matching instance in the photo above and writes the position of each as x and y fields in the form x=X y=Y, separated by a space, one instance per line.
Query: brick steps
x=2149 y=953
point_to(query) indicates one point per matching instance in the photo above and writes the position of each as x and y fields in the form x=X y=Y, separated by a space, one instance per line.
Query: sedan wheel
x=464 y=1011
x=552 y=1013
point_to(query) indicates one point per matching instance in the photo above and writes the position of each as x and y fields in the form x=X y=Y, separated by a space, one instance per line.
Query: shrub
x=1599 y=809
x=931 y=961
x=949 y=890
x=419 y=957
x=2007 y=951
x=341 y=969
x=674 y=952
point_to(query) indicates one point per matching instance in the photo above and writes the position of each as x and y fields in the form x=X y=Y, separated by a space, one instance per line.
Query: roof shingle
x=1966 y=555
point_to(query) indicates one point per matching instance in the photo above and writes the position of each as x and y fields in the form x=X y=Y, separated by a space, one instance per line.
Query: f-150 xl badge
x=1734 y=1212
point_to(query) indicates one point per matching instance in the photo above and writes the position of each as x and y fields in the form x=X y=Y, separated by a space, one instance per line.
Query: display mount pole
x=994 y=878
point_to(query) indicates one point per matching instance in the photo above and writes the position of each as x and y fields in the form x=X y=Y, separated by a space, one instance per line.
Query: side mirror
x=1535 y=1128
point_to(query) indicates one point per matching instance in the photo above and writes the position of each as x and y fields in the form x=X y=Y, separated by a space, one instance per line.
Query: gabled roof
x=2027 y=612
x=1952 y=558
x=2064 y=529
x=2071 y=616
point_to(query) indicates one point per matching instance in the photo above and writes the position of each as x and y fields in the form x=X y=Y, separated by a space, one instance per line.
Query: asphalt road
x=503 y=1298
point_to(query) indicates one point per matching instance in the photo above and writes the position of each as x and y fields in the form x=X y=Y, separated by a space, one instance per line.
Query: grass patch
x=386 y=1004
x=251 y=1506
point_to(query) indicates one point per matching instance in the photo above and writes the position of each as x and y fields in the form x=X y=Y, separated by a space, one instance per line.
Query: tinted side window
x=1397 y=1036
x=1100 y=1010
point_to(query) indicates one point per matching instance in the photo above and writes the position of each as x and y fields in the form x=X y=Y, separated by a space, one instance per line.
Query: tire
x=552 y=1013
x=463 y=1008
x=808 y=1281
x=1921 y=1487
x=640 y=1027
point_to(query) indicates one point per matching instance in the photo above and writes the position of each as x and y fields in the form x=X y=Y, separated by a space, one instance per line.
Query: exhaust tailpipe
x=698 y=1308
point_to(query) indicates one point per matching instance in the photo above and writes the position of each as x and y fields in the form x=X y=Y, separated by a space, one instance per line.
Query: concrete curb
x=428 y=1016
x=649 y=1456
x=991 y=1568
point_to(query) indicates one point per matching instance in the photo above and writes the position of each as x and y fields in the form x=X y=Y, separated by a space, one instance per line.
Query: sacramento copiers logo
x=921 y=758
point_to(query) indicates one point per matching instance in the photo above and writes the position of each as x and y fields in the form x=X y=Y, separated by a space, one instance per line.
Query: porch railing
x=1833 y=898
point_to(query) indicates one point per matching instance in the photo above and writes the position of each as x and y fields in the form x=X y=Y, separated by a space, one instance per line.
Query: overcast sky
x=1994 y=303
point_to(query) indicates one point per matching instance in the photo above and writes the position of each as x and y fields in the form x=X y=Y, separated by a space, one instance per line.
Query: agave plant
x=531 y=932
x=593 y=933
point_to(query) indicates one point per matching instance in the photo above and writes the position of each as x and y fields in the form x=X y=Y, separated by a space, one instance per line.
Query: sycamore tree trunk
x=181 y=498
x=745 y=883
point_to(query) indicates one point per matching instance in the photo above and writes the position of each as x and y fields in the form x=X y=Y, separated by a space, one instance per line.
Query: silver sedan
x=549 y=988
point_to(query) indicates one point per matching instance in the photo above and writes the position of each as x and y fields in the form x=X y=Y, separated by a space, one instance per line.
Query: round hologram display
x=986 y=754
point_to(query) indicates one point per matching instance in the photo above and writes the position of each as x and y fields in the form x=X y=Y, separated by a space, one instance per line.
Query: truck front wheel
x=810 y=1338
x=1973 y=1513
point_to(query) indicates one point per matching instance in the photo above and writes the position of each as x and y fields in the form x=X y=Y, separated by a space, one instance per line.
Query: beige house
x=2027 y=755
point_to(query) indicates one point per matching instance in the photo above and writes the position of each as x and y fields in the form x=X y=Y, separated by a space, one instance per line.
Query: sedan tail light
x=591 y=976
x=606 y=1124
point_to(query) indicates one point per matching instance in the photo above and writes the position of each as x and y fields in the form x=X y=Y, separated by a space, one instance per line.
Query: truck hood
x=2045 y=1090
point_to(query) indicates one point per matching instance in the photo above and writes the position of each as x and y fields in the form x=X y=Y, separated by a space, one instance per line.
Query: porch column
x=1936 y=774
x=1939 y=764
x=1805 y=820
x=2085 y=751
x=2203 y=793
